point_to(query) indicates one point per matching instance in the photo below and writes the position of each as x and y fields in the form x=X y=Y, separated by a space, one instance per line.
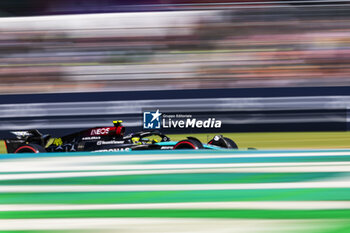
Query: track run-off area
x=173 y=191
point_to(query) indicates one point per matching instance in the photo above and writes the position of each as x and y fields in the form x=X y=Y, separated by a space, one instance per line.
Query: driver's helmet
x=119 y=128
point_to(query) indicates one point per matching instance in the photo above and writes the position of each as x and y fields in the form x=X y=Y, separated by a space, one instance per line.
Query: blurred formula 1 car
x=101 y=139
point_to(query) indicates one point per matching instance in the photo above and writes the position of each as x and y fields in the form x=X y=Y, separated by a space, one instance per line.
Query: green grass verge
x=316 y=194
x=192 y=178
x=178 y=213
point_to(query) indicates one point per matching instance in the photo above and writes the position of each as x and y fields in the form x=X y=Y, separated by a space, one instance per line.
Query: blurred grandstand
x=183 y=45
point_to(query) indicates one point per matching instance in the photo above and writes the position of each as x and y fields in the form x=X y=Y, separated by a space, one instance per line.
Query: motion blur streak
x=134 y=192
x=228 y=45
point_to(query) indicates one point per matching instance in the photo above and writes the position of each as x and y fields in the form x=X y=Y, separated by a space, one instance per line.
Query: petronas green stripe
x=316 y=194
x=210 y=213
x=191 y=178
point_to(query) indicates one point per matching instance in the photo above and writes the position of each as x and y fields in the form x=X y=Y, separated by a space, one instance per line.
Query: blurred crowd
x=276 y=46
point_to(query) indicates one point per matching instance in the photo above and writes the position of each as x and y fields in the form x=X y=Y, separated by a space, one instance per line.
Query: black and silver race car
x=99 y=139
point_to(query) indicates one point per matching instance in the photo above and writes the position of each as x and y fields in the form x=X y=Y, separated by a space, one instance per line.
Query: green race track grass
x=289 y=140
x=178 y=213
x=305 y=194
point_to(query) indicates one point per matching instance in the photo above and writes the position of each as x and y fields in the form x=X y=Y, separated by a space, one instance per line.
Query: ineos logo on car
x=100 y=131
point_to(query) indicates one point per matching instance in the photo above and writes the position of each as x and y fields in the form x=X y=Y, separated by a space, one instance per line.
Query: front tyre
x=232 y=144
x=30 y=148
x=188 y=144
x=223 y=142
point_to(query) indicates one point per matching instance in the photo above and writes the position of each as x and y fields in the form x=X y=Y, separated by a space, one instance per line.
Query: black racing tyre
x=232 y=144
x=30 y=148
x=188 y=144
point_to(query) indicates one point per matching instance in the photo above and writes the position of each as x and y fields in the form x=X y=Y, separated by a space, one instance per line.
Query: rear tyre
x=188 y=144
x=30 y=148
